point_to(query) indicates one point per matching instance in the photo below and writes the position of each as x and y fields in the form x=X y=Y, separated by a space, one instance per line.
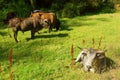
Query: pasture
x=48 y=56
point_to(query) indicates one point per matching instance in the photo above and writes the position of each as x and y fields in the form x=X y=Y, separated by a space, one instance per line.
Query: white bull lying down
x=93 y=60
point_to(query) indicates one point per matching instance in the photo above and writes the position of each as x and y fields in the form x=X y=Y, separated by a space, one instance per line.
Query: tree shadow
x=81 y=22
x=102 y=19
x=99 y=19
x=21 y=54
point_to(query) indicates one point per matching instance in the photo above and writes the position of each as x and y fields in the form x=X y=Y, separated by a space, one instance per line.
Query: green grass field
x=48 y=56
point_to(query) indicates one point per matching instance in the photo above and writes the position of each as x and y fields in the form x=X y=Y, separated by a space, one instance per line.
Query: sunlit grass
x=47 y=57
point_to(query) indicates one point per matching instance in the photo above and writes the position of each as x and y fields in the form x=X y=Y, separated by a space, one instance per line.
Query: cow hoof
x=27 y=39
x=38 y=32
x=32 y=37
x=16 y=41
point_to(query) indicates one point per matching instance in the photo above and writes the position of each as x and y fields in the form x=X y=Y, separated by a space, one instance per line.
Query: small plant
x=10 y=64
x=72 y=54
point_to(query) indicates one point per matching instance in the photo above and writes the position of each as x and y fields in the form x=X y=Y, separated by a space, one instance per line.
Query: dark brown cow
x=54 y=22
x=32 y=23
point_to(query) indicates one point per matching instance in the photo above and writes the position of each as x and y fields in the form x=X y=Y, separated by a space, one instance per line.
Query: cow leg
x=57 y=28
x=32 y=34
x=38 y=32
x=15 y=36
x=57 y=25
x=50 y=28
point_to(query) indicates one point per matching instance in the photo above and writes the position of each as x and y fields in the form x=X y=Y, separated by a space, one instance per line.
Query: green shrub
x=63 y=8
x=107 y=7
x=56 y=6
x=69 y=10
x=21 y=8
x=80 y=8
x=107 y=10
x=72 y=10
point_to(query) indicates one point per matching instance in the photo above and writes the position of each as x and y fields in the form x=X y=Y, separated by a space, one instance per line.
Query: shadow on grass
x=21 y=53
x=1 y=28
x=3 y=55
x=87 y=18
x=49 y=36
x=3 y=33
x=82 y=21
x=102 y=19
x=52 y=35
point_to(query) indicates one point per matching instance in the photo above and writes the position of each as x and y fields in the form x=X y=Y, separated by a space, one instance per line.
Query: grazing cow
x=93 y=60
x=32 y=23
x=54 y=22
x=9 y=16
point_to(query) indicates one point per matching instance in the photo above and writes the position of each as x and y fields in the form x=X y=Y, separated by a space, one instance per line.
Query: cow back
x=44 y=15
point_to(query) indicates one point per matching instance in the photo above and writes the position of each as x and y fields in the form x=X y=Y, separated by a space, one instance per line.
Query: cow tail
x=9 y=32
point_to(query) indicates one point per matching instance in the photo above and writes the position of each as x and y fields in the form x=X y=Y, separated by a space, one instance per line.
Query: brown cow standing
x=54 y=22
x=32 y=23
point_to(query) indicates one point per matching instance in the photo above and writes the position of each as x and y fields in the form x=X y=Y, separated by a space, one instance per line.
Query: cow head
x=45 y=22
x=9 y=16
x=88 y=56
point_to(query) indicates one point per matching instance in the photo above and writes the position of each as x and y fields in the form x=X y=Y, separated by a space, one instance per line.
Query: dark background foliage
x=63 y=8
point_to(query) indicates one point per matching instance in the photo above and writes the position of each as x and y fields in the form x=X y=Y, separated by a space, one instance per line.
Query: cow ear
x=80 y=48
x=40 y=15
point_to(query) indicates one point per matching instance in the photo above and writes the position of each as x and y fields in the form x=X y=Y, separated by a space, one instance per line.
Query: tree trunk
x=32 y=2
